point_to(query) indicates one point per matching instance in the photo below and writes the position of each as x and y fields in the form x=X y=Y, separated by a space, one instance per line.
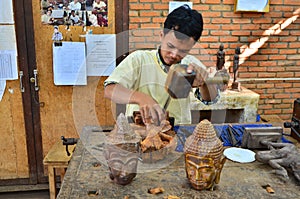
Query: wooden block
x=58 y=153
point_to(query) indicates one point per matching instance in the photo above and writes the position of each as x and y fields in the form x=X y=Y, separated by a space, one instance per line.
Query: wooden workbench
x=87 y=173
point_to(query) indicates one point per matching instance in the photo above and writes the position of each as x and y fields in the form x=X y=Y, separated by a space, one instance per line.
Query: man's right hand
x=150 y=110
x=201 y=74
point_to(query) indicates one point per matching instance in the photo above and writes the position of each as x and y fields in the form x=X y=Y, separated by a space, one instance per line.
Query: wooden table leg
x=62 y=174
x=56 y=159
x=52 y=182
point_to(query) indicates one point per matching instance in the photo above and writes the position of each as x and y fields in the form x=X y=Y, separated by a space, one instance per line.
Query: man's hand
x=201 y=74
x=208 y=91
x=150 y=110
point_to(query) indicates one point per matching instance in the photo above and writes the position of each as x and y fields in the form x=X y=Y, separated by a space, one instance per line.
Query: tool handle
x=216 y=80
x=167 y=103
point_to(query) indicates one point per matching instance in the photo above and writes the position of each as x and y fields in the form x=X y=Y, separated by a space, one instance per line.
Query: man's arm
x=149 y=108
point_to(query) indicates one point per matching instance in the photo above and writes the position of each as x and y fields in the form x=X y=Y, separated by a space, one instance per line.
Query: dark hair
x=185 y=22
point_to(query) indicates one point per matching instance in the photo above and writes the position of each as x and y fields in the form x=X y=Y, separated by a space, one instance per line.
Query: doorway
x=46 y=120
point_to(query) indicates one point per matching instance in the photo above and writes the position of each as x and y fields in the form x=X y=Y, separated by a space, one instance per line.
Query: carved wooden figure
x=122 y=161
x=236 y=60
x=221 y=70
x=220 y=58
x=204 y=158
x=281 y=156
x=236 y=85
x=121 y=152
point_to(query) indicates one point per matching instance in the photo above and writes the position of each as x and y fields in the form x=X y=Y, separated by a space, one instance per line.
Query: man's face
x=174 y=50
x=201 y=172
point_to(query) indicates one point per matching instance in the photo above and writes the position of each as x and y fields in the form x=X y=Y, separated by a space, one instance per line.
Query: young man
x=139 y=80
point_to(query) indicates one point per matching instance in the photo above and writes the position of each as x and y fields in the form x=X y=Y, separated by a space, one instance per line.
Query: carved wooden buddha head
x=122 y=163
x=204 y=158
x=121 y=152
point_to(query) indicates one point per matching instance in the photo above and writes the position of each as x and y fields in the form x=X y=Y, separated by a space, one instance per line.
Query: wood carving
x=157 y=141
x=281 y=156
x=122 y=152
x=204 y=158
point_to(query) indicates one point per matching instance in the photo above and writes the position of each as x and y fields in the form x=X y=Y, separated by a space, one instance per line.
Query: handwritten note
x=8 y=53
x=69 y=64
x=7 y=37
x=101 y=54
x=8 y=65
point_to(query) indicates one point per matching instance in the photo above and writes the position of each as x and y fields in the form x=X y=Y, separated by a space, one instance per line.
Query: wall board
x=13 y=153
x=57 y=113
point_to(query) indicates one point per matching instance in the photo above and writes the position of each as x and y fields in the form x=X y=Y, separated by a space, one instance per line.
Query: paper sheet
x=7 y=37
x=2 y=88
x=101 y=54
x=8 y=65
x=246 y=5
x=175 y=4
x=6 y=12
x=69 y=64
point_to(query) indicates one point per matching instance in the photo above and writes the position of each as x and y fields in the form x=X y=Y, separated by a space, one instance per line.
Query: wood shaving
x=171 y=197
x=156 y=190
x=157 y=137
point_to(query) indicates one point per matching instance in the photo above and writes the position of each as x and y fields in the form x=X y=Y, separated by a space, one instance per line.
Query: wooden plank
x=13 y=153
x=7 y=150
x=18 y=132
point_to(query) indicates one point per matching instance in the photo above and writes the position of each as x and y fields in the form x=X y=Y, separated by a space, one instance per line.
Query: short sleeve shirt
x=141 y=71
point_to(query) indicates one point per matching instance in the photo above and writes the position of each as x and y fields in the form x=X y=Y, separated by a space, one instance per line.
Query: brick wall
x=269 y=42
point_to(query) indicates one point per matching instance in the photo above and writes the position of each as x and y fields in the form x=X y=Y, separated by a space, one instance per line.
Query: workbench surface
x=87 y=173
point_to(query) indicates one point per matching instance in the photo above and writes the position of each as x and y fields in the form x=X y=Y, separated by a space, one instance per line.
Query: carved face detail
x=122 y=164
x=203 y=156
x=201 y=172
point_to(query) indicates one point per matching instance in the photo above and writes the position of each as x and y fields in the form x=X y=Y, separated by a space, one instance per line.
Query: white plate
x=239 y=155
